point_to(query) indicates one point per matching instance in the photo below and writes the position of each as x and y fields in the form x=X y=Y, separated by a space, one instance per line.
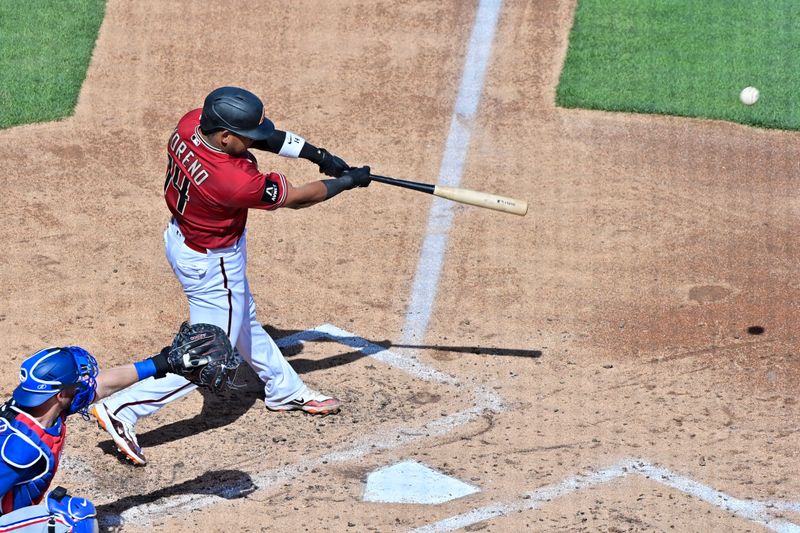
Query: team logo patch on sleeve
x=270 y=192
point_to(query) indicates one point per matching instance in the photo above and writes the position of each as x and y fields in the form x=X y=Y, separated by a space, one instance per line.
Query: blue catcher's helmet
x=48 y=371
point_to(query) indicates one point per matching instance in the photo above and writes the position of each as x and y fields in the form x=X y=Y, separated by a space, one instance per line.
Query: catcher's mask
x=237 y=110
x=51 y=370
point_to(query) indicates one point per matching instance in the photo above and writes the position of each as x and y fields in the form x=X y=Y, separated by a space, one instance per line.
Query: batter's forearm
x=289 y=144
x=272 y=143
x=306 y=195
x=318 y=191
x=335 y=186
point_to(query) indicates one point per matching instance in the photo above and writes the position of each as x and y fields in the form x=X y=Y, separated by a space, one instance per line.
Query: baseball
x=749 y=95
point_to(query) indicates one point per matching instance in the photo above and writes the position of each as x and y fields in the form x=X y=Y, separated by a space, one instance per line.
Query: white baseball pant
x=36 y=519
x=218 y=291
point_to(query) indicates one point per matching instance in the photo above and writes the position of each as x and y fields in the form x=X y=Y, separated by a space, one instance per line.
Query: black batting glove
x=350 y=179
x=331 y=165
x=360 y=176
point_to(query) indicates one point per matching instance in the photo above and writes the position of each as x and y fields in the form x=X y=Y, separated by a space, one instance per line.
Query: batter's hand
x=331 y=165
x=360 y=176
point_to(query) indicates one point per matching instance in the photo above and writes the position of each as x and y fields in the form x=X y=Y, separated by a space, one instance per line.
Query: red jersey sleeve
x=259 y=191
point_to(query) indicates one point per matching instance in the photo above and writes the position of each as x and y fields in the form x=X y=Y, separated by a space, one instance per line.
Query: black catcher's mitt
x=202 y=354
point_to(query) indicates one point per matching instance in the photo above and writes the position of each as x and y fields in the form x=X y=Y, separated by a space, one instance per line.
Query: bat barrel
x=464 y=196
x=483 y=199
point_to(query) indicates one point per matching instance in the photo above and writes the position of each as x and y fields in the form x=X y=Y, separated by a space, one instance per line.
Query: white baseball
x=749 y=95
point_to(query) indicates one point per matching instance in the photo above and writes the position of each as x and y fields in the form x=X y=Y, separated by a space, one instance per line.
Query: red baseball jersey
x=209 y=191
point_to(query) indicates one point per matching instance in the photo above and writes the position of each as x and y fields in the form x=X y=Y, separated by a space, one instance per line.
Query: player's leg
x=258 y=349
x=215 y=286
x=215 y=289
x=283 y=388
x=119 y=413
x=34 y=519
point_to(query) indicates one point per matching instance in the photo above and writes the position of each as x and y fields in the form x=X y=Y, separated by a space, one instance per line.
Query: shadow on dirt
x=218 y=410
x=303 y=366
x=477 y=350
x=228 y=484
x=227 y=407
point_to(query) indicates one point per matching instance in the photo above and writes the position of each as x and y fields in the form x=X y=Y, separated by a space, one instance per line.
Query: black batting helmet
x=237 y=110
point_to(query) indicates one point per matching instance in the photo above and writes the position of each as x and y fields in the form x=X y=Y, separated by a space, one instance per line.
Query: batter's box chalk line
x=409 y=364
x=762 y=513
x=483 y=401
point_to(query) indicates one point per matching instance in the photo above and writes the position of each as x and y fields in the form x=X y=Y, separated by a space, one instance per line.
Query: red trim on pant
x=31 y=521
x=230 y=295
x=124 y=405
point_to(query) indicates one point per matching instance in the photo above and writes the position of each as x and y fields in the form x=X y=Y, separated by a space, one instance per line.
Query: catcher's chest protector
x=24 y=444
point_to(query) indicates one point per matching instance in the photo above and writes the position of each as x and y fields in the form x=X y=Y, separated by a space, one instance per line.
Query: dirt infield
x=587 y=367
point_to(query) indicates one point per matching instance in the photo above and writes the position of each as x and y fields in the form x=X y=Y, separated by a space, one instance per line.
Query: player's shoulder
x=241 y=171
x=246 y=163
x=193 y=115
x=186 y=126
x=17 y=450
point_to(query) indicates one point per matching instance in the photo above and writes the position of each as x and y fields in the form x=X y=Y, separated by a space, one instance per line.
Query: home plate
x=412 y=482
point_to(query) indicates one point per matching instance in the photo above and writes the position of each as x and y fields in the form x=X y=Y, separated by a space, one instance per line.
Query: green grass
x=45 y=48
x=686 y=57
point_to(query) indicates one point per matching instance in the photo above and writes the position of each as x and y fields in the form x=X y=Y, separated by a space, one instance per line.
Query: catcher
x=57 y=382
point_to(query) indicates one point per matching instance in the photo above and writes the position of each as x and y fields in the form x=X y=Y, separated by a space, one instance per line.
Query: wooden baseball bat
x=464 y=196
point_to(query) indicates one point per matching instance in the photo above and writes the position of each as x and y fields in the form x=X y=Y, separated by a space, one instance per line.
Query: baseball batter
x=57 y=382
x=212 y=180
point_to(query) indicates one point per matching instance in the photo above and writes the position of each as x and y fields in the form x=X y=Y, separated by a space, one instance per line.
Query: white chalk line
x=409 y=364
x=144 y=514
x=759 y=512
x=532 y=500
x=755 y=511
x=426 y=280
x=431 y=257
x=483 y=401
x=792 y=507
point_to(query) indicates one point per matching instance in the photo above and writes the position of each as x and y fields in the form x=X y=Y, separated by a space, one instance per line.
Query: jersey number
x=180 y=181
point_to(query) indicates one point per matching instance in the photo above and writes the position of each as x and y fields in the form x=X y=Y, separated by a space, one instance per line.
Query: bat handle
x=413 y=185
